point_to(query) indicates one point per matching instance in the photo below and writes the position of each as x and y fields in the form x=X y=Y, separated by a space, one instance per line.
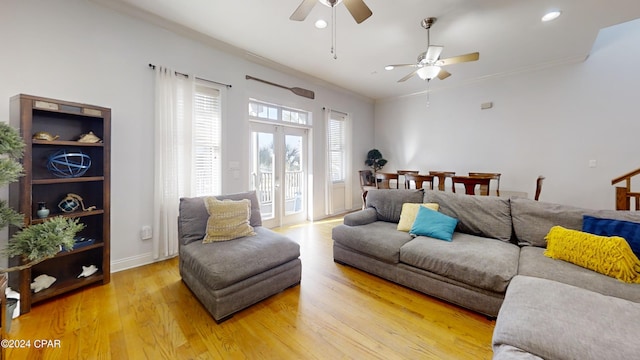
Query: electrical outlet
x=593 y=163
x=146 y=233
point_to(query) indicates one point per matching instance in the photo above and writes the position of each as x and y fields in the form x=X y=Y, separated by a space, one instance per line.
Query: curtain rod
x=339 y=112
x=198 y=78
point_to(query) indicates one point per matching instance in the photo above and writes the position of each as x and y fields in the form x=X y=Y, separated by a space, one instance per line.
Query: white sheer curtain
x=172 y=151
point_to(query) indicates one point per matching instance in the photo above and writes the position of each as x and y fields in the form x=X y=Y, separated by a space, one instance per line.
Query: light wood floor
x=337 y=312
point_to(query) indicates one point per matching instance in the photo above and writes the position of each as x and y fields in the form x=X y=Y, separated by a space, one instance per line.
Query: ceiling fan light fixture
x=428 y=72
x=551 y=15
x=320 y=24
x=389 y=67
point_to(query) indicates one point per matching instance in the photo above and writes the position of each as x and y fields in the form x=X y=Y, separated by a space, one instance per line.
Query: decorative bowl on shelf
x=68 y=164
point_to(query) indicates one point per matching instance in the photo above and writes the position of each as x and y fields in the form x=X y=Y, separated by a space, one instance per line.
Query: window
x=337 y=146
x=265 y=111
x=207 y=124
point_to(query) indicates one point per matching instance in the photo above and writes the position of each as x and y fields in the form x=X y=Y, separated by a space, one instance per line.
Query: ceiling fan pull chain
x=428 y=92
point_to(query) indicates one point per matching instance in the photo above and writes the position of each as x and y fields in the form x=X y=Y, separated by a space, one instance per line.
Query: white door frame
x=280 y=209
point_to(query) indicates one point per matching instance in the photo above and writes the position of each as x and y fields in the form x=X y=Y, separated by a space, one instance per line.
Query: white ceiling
x=508 y=34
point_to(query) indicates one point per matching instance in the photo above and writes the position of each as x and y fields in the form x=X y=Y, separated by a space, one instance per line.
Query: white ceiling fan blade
x=459 y=59
x=443 y=74
x=358 y=9
x=408 y=76
x=391 y=67
x=433 y=53
x=303 y=10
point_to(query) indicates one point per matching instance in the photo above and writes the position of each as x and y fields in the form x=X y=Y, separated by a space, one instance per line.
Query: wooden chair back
x=470 y=183
x=366 y=178
x=418 y=180
x=493 y=176
x=538 y=187
x=442 y=176
x=403 y=173
x=383 y=180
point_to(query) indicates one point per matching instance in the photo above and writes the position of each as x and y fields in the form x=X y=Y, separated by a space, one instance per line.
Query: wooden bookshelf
x=67 y=120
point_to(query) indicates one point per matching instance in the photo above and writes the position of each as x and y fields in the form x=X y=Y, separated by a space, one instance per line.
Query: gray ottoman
x=546 y=319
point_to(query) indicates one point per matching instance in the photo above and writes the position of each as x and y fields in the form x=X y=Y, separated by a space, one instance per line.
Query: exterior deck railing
x=293 y=183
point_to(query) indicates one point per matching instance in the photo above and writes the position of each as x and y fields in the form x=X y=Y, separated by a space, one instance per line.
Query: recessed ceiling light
x=321 y=24
x=551 y=15
x=388 y=67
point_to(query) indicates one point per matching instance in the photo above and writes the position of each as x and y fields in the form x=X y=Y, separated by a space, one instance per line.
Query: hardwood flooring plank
x=337 y=312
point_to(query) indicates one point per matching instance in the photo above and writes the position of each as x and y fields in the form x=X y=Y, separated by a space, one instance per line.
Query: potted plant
x=37 y=242
x=375 y=160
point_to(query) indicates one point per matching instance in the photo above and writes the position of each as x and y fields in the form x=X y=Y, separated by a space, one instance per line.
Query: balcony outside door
x=279 y=172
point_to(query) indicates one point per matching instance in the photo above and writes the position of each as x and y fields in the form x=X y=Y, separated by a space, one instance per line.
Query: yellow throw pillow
x=409 y=213
x=611 y=256
x=227 y=219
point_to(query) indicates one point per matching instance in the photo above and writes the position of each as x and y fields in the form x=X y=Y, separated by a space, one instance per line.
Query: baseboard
x=131 y=262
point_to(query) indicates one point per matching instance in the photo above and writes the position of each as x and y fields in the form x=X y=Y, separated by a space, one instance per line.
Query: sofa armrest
x=362 y=217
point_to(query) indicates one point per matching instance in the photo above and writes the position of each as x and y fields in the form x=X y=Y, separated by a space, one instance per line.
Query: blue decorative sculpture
x=68 y=164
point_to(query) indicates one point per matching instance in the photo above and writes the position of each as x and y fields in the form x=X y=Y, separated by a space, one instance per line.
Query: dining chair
x=442 y=176
x=367 y=182
x=403 y=173
x=492 y=176
x=418 y=180
x=383 y=180
x=470 y=183
x=538 y=187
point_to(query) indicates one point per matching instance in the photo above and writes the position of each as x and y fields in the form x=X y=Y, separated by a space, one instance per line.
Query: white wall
x=549 y=122
x=80 y=51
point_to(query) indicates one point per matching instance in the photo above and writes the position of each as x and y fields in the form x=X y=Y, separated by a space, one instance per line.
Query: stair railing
x=624 y=194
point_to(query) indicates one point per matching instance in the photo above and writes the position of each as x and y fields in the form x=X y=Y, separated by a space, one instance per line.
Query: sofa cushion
x=533 y=263
x=228 y=219
x=221 y=264
x=388 y=203
x=433 y=224
x=484 y=263
x=552 y=320
x=628 y=230
x=610 y=256
x=192 y=221
x=380 y=240
x=532 y=219
x=485 y=216
x=409 y=213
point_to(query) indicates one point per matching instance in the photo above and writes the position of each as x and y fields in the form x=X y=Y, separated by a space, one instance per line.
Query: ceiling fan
x=358 y=9
x=429 y=65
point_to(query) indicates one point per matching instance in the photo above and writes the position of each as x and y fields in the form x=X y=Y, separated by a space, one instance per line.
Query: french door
x=279 y=172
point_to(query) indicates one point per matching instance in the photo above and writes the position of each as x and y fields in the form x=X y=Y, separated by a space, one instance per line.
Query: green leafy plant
x=42 y=241
x=11 y=147
x=375 y=160
x=37 y=242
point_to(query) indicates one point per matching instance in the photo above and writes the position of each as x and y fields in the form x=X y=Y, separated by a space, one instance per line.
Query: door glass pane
x=263 y=172
x=294 y=176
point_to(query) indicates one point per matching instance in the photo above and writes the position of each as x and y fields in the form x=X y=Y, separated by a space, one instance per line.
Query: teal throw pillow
x=433 y=224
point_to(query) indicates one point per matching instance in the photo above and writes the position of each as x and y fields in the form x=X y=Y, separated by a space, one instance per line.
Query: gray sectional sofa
x=228 y=276
x=497 y=242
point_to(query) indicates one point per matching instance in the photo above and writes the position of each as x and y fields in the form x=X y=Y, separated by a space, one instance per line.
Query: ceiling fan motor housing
x=427 y=22
x=330 y=3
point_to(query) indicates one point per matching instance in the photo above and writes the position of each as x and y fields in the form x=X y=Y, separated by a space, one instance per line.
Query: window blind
x=207 y=126
x=337 y=146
